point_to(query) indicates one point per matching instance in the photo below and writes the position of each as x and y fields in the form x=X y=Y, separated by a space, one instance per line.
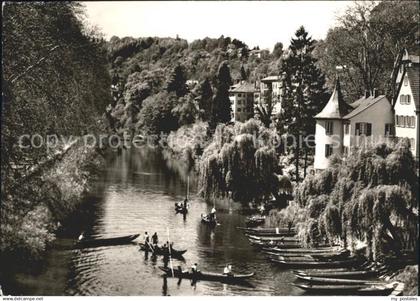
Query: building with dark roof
x=242 y=101
x=341 y=126
x=406 y=102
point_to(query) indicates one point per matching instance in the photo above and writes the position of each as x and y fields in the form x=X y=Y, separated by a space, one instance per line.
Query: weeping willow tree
x=241 y=163
x=371 y=198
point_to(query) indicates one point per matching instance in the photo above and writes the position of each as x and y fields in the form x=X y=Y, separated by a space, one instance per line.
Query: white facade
x=328 y=141
x=381 y=119
x=406 y=117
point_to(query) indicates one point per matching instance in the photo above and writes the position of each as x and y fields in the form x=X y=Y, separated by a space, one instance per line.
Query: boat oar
x=170 y=257
x=150 y=246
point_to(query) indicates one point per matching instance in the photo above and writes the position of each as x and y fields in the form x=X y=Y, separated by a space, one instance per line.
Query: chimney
x=375 y=93
x=367 y=93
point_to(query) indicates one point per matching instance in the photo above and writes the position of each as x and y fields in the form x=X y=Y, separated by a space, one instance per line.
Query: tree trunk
x=297 y=162
x=306 y=163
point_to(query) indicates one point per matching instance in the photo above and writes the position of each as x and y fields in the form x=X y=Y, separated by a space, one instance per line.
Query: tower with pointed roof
x=329 y=128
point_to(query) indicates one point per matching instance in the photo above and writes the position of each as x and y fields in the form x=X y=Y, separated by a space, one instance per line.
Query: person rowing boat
x=228 y=270
x=155 y=239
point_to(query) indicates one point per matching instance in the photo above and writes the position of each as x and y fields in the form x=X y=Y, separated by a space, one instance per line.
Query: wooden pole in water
x=188 y=187
x=170 y=257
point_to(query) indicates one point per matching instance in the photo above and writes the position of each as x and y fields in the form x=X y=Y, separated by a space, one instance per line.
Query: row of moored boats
x=324 y=270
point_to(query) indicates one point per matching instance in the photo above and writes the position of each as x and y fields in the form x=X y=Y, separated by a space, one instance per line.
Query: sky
x=257 y=23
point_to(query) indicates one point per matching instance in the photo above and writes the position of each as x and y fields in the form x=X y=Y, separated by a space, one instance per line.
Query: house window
x=406 y=81
x=347 y=128
x=405 y=99
x=389 y=129
x=239 y=102
x=363 y=128
x=328 y=150
x=412 y=121
x=329 y=127
x=239 y=110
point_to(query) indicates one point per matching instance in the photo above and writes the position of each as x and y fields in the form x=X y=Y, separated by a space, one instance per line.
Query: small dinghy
x=206 y=275
x=100 y=242
x=156 y=250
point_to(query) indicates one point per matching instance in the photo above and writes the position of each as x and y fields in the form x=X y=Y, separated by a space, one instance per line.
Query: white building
x=406 y=105
x=341 y=126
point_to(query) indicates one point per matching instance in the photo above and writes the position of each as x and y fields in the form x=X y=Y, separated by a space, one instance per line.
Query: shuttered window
x=329 y=127
x=328 y=150
x=363 y=128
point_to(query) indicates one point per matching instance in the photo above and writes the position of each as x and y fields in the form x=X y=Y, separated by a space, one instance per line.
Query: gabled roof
x=336 y=107
x=244 y=88
x=362 y=104
x=413 y=78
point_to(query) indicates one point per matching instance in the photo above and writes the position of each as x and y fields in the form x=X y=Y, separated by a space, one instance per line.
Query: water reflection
x=141 y=189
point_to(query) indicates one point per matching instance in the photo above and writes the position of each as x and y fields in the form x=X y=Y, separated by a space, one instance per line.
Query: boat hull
x=91 y=243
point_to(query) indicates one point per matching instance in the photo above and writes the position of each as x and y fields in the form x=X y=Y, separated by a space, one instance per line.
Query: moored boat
x=281 y=249
x=346 y=274
x=343 y=289
x=278 y=238
x=331 y=280
x=315 y=264
x=121 y=240
x=208 y=276
x=255 y=220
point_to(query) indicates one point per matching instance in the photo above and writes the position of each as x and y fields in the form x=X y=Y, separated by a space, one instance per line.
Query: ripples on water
x=140 y=193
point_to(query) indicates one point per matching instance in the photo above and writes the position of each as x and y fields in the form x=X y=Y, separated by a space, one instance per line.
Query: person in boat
x=146 y=239
x=194 y=269
x=212 y=215
x=155 y=239
x=262 y=209
x=171 y=246
x=228 y=270
x=185 y=203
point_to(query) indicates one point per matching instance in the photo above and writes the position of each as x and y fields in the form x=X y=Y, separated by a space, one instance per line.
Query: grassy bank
x=42 y=204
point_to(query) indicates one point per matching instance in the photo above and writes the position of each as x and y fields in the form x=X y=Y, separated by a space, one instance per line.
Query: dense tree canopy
x=368 y=38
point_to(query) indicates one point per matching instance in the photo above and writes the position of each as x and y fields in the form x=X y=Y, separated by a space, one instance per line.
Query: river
x=140 y=190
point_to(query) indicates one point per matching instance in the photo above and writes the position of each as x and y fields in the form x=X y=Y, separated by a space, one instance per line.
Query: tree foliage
x=368 y=38
x=240 y=162
x=372 y=197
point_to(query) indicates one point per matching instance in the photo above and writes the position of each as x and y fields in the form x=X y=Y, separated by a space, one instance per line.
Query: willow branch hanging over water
x=371 y=197
x=240 y=162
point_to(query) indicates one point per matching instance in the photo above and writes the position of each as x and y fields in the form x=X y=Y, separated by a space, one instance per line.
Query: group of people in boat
x=183 y=204
x=227 y=270
x=154 y=244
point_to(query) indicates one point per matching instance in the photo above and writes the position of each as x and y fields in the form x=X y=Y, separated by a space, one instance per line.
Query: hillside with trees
x=189 y=81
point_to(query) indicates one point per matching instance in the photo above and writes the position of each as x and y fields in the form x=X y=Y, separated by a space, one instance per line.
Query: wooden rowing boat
x=100 y=242
x=261 y=230
x=331 y=280
x=343 y=289
x=309 y=258
x=318 y=250
x=345 y=274
x=208 y=276
x=273 y=238
x=315 y=264
x=156 y=250
x=255 y=221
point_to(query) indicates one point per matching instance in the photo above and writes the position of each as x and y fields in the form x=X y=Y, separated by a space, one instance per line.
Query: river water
x=140 y=190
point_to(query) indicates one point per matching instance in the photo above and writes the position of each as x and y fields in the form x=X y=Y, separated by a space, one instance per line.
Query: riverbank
x=45 y=203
